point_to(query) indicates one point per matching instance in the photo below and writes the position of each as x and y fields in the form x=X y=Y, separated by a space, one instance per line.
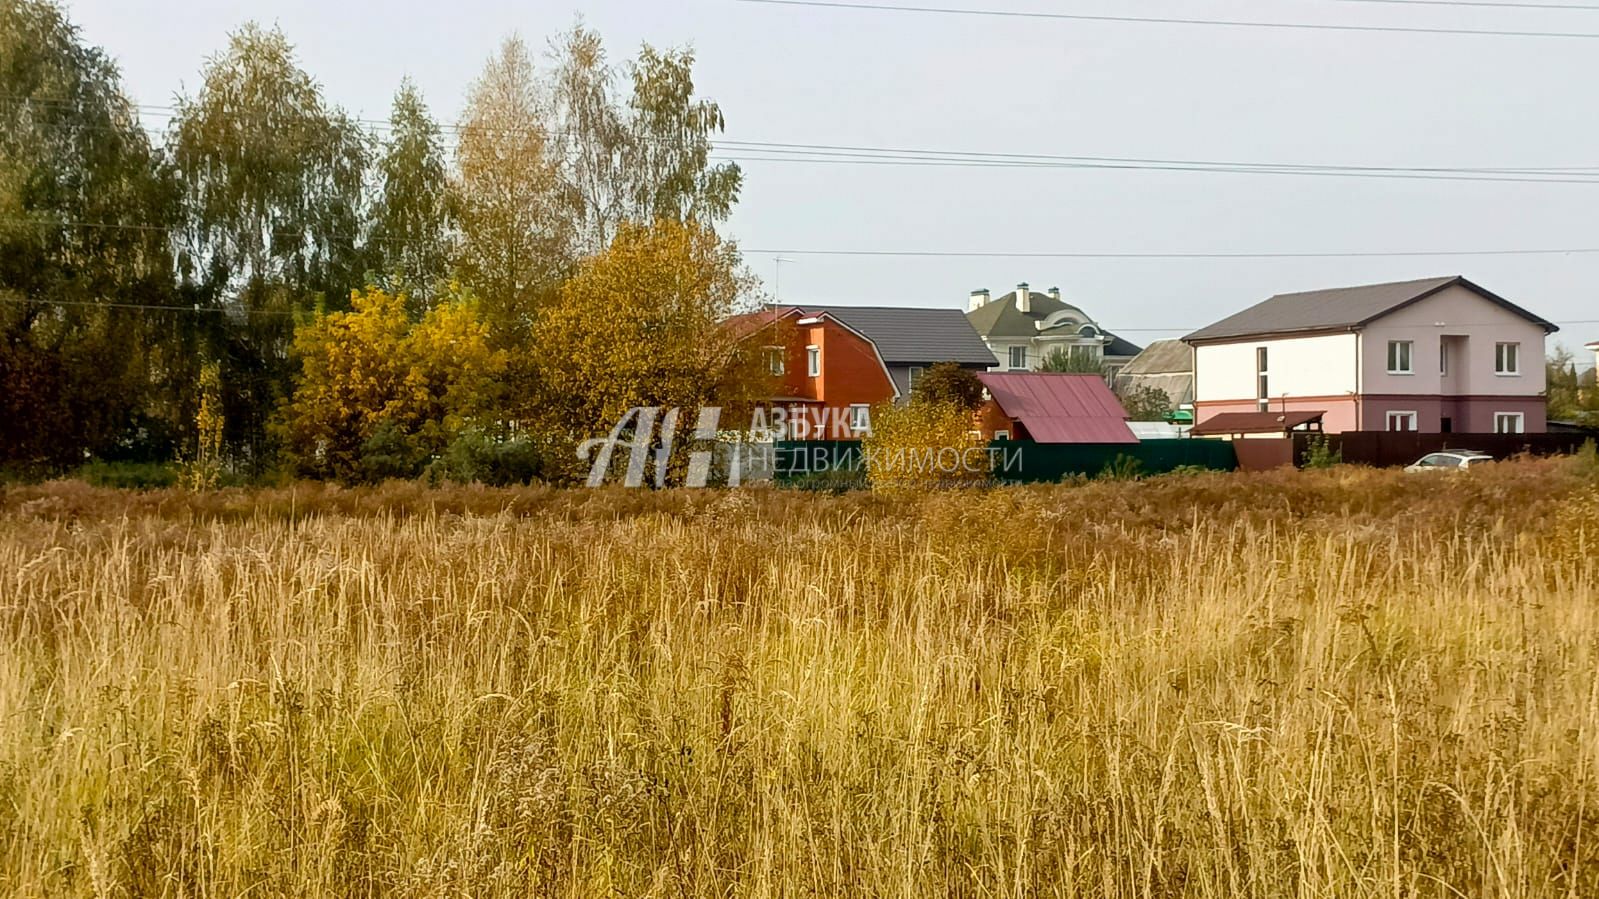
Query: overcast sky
x=993 y=84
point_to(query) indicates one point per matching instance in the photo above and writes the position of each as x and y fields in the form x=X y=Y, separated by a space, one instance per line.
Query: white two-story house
x=1024 y=327
x=1436 y=355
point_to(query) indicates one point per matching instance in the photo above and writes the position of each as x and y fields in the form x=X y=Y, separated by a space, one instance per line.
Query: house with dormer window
x=1024 y=327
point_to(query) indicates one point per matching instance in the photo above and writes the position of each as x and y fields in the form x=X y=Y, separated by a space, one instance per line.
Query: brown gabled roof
x=744 y=324
x=1341 y=309
x=1254 y=422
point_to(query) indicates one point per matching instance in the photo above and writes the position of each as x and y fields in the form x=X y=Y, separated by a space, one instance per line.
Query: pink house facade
x=1440 y=355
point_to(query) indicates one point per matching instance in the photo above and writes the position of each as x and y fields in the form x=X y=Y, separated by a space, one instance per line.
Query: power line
x=961 y=254
x=755 y=152
x=1153 y=20
x=151 y=307
x=1484 y=4
x=748 y=151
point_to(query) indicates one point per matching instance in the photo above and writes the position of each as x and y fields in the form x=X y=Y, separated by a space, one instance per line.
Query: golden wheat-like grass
x=1339 y=684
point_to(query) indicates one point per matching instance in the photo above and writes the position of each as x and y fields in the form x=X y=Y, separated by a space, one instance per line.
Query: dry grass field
x=1347 y=683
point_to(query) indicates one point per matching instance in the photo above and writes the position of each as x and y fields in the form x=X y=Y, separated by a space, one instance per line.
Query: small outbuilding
x=1051 y=407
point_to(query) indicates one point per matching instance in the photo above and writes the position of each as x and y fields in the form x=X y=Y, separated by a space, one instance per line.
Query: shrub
x=1122 y=468
x=1587 y=460
x=948 y=384
x=1320 y=454
x=923 y=445
x=390 y=454
x=129 y=475
x=475 y=457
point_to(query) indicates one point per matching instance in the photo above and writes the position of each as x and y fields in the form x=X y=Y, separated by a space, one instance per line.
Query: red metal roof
x=1060 y=408
x=1255 y=422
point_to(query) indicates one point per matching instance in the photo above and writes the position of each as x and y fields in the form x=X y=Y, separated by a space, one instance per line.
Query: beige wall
x=1321 y=366
x=1476 y=324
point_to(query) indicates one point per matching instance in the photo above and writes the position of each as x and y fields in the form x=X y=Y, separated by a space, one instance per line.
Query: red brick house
x=829 y=374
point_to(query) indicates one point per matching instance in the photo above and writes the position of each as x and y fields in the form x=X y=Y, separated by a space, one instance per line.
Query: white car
x=1450 y=460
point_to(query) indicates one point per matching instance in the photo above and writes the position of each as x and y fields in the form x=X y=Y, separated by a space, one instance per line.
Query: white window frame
x=1407 y=350
x=1518 y=418
x=1507 y=358
x=1443 y=358
x=1263 y=378
x=1002 y=434
x=913 y=376
x=775 y=363
x=860 y=418
x=1010 y=358
x=1402 y=415
x=813 y=361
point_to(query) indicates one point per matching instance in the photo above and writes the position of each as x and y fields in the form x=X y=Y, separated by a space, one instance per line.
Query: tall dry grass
x=1340 y=684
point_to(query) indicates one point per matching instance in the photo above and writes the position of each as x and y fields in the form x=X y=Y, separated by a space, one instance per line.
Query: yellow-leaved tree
x=643 y=324
x=375 y=385
x=924 y=444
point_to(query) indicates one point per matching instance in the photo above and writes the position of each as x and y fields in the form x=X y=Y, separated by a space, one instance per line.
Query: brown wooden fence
x=1404 y=447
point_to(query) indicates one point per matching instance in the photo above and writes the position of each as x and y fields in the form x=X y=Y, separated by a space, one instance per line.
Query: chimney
x=1024 y=298
x=1054 y=294
x=979 y=300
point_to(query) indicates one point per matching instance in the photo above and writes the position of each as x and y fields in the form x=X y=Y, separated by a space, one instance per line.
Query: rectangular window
x=1018 y=357
x=1509 y=422
x=1401 y=421
x=1001 y=435
x=1262 y=381
x=1443 y=358
x=1507 y=358
x=774 y=359
x=813 y=361
x=860 y=418
x=915 y=375
x=1399 y=357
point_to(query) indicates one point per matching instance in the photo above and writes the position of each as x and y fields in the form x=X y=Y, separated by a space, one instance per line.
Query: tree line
x=271 y=284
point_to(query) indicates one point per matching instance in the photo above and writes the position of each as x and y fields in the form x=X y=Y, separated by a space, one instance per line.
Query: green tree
x=1072 y=360
x=83 y=205
x=274 y=189
x=670 y=144
x=410 y=227
x=1561 y=385
x=1144 y=402
x=947 y=383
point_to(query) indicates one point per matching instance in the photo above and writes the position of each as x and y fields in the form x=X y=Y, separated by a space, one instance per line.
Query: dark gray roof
x=1340 y=309
x=999 y=318
x=914 y=336
x=1119 y=346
